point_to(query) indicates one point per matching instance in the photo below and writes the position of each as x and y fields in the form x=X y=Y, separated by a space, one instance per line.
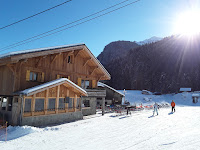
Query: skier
x=173 y=105
x=155 y=108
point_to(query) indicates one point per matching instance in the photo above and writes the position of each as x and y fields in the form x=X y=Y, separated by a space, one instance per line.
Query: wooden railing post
x=57 y=98
x=66 y=104
x=33 y=105
x=75 y=102
x=46 y=101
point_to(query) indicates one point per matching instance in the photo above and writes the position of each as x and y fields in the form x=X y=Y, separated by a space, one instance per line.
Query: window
x=27 y=107
x=85 y=84
x=34 y=76
x=69 y=60
x=71 y=103
x=52 y=102
x=67 y=100
x=39 y=104
x=61 y=103
x=78 y=103
x=4 y=103
x=86 y=103
x=10 y=99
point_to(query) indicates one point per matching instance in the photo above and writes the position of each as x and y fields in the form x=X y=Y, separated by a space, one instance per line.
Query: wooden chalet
x=47 y=85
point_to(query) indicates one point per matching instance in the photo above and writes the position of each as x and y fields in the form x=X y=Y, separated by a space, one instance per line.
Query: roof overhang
x=100 y=84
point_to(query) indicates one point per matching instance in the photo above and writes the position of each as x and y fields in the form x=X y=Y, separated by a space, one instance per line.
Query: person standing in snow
x=173 y=105
x=155 y=108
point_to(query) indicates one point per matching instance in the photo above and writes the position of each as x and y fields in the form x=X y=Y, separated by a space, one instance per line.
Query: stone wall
x=45 y=120
x=92 y=109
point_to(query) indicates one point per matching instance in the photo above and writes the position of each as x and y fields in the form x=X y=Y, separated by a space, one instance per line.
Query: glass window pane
x=31 y=76
x=35 y=77
x=27 y=107
x=39 y=104
x=87 y=84
x=71 y=103
x=78 y=103
x=61 y=103
x=67 y=100
x=51 y=104
x=86 y=103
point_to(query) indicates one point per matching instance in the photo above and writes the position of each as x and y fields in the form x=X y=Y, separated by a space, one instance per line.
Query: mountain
x=150 y=40
x=163 y=66
x=115 y=50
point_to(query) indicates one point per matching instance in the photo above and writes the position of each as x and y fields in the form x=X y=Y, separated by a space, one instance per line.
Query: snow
x=150 y=40
x=105 y=85
x=167 y=131
x=185 y=89
x=37 y=50
x=47 y=84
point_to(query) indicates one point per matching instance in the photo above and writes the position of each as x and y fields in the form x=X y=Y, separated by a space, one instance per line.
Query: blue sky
x=136 y=22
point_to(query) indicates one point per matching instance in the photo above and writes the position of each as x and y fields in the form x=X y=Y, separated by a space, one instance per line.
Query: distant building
x=195 y=97
x=185 y=89
x=112 y=95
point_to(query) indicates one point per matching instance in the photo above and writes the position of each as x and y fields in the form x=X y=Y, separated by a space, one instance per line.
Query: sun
x=187 y=23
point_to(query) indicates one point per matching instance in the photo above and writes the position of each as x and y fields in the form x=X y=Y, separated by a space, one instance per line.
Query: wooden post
x=66 y=104
x=7 y=104
x=23 y=105
x=33 y=105
x=46 y=101
x=103 y=106
x=57 y=98
x=1 y=99
x=75 y=102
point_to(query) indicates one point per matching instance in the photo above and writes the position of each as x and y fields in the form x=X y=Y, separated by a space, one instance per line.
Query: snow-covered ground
x=181 y=99
x=180 y=130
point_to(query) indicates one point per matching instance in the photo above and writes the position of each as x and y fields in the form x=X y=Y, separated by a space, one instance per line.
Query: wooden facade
x=27 y=69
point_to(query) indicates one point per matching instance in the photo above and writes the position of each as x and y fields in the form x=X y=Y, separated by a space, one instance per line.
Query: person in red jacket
x=173 y=105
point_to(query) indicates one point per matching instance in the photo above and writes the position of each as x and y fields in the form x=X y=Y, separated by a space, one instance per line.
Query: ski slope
x=177 y=131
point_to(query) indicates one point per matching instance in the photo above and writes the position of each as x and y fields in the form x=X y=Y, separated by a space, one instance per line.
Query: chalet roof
x=37 y=50
x=100 y=84
x=13 y=57
x=42 y=87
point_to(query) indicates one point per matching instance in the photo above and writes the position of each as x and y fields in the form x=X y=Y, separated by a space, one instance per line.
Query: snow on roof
x=104 y=85
x=45 y=85
x=38 y=50
x=185 y=89
x=195 y=95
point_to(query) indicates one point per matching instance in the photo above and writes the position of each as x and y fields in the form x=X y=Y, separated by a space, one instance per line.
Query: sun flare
x=188 y=23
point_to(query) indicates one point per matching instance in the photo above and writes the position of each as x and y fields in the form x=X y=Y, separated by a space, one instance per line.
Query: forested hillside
x=115 y=50
x=163 y=66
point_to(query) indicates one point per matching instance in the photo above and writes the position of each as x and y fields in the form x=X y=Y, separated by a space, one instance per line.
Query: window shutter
x=68 y=77
x=93 y=83
x=79 y=81
x=27 y=75
x=58 y=76
x=42 y=79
